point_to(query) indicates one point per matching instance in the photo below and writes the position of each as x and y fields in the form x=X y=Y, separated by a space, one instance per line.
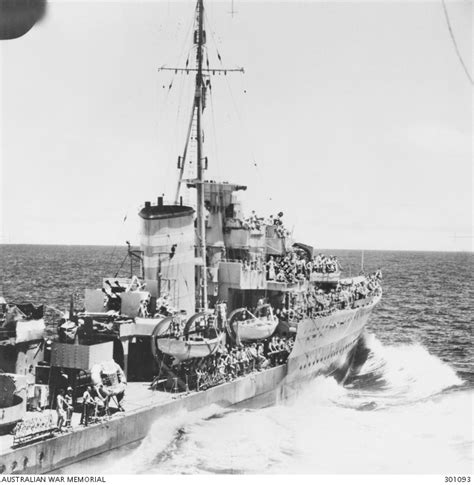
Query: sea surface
x=408 y=410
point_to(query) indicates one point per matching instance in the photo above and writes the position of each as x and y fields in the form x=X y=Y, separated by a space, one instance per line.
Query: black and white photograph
x=236 y=239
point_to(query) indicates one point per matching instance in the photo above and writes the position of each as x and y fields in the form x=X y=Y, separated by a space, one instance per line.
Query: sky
x=353 y=118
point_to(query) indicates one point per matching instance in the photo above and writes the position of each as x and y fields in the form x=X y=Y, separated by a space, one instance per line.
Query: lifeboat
x=201 y=336
x=246 y=326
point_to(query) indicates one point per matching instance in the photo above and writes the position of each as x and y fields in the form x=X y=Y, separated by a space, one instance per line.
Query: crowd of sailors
x=95 y=405
x=316 y=302
x=230 y=363
x=256 y=223
x=225 y=365
x=294 y=267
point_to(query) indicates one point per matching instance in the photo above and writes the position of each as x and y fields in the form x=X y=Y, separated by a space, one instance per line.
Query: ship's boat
x=246 y=326
x=189 y=264
x=193 y=348
x=202 y=335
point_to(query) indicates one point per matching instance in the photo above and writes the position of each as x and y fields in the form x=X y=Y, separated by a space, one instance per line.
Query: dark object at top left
x=17 y=17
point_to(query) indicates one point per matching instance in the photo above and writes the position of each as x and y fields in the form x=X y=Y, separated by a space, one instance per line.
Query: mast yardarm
x=196 y=118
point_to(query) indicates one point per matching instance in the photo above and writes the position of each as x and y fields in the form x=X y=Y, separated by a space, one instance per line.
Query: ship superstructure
x=223 y=256
x=225 y=308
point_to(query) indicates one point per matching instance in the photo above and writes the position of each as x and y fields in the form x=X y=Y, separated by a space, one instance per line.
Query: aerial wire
x=216 y=151
x=164 y=104
x=119 y=234
x=240 y=118
x=456 y=48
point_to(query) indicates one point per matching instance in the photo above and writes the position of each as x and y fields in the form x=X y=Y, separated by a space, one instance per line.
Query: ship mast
x=196 y=114
x=198 y=105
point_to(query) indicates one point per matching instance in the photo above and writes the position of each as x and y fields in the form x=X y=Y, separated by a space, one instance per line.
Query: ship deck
x=142 y=408
x=138 y=396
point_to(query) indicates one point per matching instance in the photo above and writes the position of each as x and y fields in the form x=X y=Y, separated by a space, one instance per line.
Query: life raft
x=111 y=376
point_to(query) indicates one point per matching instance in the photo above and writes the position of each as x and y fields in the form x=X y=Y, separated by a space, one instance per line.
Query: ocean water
x=408 y=409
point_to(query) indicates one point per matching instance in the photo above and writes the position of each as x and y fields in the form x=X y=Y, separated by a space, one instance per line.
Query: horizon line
x=316 y=248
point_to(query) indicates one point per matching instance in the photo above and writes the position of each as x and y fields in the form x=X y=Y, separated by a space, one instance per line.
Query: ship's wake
x=404 y=411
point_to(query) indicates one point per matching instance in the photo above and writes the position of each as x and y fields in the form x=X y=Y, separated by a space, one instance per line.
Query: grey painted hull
x=323 y=346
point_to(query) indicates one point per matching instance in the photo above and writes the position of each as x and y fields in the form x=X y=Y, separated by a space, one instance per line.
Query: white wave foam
x=161 y=439
x=427 y=437
x=407 y=372
x=325 y=431
x=413 y=427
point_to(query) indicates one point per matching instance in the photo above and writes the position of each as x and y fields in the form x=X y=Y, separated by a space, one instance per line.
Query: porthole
x=2 y=469
x=14 y=465
x=25 y=462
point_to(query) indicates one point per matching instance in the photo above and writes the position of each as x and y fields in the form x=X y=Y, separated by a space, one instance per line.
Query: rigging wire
x=456 y=48
x=191 y=26
x=112 y=261
x=254 y=161
x=216 y=150
x=181 y=88
x=164 y=104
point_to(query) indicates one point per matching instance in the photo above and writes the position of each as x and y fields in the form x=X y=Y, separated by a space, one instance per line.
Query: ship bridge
x=237 y=252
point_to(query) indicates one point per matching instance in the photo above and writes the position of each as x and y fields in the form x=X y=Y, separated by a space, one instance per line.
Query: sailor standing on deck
x=69 y=405
x=87 y=404
x=143 y=309
x=271 y=274
x=60 y=409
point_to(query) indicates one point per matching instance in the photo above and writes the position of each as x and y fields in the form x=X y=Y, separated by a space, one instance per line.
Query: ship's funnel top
x=167 y=241
x=164 y=211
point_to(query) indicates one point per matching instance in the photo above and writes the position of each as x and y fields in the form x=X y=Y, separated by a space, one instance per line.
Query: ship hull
x=323 y=346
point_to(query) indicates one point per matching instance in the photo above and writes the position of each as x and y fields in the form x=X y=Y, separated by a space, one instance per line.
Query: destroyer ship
x=218 y=308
